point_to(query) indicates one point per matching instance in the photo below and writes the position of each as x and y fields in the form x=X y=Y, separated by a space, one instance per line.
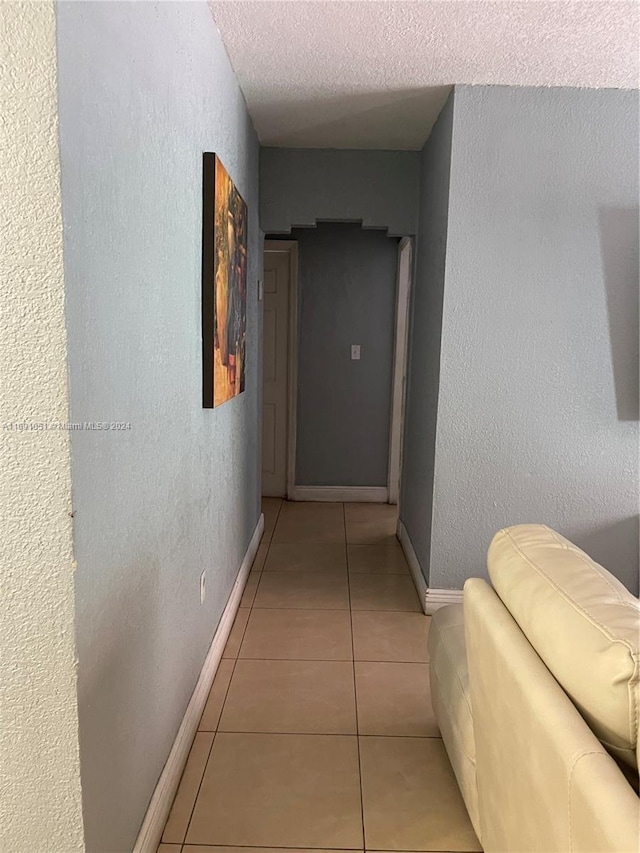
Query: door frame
x=404 y=279
x=400 y=356
x=290 y=247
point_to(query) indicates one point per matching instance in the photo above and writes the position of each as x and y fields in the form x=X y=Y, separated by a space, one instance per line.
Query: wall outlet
x=355 y=352
x=203 y=580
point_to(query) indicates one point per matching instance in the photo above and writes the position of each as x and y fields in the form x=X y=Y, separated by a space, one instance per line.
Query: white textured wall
x=144 y=89
x=538 y=400
x=40 y=800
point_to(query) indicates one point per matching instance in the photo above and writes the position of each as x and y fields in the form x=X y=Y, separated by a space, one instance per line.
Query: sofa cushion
x=583 y=623
x=451 y=700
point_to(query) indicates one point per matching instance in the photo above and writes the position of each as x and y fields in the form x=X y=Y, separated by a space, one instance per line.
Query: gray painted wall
x=144 y=89
x=300 y=186
x=346 y=291
x=537 y=412
x=424 y=338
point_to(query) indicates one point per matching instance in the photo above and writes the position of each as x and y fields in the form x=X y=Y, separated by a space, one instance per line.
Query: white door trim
x=291 y=247
x=403 y=291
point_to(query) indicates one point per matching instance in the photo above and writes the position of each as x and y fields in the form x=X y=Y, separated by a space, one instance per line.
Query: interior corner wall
x=144 y=89
x=40 y=794
x=538 y=400
x=302 y=186
x=346 y=295
x=418 y=455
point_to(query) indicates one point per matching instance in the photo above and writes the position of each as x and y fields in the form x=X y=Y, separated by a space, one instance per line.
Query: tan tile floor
x=318 y=733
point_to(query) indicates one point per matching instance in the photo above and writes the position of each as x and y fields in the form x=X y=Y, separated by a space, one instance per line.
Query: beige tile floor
x=318 y=733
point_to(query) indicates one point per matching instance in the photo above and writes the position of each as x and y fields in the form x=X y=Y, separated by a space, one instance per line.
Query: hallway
x=319 y=724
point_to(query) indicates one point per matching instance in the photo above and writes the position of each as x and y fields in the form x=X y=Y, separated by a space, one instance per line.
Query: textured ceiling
x=375 y=73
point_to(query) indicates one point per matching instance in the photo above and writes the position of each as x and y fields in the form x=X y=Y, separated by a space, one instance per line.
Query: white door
x=277 y=273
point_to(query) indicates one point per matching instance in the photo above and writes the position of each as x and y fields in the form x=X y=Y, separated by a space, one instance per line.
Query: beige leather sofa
x=535 y=687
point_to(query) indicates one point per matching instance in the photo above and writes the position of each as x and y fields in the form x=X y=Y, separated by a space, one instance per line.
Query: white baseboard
x=154 y=821
x=414 y=565
x=362 y=494
x=430 y=599
x=437 y=598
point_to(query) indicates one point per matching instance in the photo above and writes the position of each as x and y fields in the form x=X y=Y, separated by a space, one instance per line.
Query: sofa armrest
x=545 y=783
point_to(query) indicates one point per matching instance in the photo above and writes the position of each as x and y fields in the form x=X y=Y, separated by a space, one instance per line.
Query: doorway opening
x=334 y=363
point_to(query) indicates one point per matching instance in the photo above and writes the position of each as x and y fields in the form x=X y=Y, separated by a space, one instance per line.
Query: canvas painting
x=224 y=285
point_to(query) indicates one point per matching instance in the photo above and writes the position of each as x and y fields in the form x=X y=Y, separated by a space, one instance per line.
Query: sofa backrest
x=582 y=621
x=545 y=783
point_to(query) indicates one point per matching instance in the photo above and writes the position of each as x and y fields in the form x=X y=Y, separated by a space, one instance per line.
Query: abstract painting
x=224 y=285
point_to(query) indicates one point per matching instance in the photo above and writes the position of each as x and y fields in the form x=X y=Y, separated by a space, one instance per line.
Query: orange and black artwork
x=224 y=285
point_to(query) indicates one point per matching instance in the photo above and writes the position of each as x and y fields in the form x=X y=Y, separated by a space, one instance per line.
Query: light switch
x=355 y=352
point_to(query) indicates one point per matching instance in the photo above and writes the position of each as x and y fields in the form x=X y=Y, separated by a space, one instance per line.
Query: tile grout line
x=260 y=573
x=355 y=689
x=275 y=524
x=313 y=734
x=214 y=732
x=251 y=606
x=336 y=849
x=334 y=660
x=269 y=847
x=195 y=799
x=330 y=609
x=264 y=562
x=226 y=693
x=332 y=849
x=246 y=625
